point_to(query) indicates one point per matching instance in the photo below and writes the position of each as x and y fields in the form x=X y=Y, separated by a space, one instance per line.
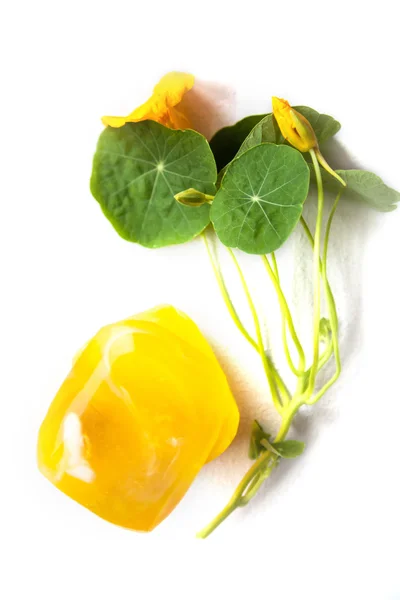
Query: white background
x=325 y=526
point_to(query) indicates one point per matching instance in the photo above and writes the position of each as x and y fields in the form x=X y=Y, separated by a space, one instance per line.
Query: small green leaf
x=138 y=169
x=325 y=329
x=364 y=186
x=256 y=437
x=261 y=198
x=289 y=448
x=261 y=441
x=226 y=142
x=268 y=131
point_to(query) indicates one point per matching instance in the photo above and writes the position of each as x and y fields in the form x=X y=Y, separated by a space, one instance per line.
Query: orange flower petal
x=168 y=92
x=172 y=87
x=178 y=120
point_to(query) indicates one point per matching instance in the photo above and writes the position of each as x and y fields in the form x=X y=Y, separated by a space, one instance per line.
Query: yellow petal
x=173 y=86
x=168 y=92
x=114 y=121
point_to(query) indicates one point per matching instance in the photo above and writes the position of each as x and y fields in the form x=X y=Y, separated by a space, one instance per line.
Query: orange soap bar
x=144 y=407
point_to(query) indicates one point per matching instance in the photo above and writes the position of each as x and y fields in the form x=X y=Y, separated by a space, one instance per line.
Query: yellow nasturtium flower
x=144 y=407
x=297 y=130
x=163 y=105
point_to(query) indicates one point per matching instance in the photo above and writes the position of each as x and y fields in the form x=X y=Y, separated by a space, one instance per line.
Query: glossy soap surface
x=144 y=407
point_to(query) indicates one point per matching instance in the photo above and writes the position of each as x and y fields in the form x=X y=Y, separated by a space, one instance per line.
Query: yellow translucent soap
x=144 y=407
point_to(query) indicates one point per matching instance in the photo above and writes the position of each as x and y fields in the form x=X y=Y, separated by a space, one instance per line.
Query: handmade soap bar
x=144 y=407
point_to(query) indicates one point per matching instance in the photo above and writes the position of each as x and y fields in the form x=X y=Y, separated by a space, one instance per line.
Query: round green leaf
x=138 y=169
x=261 y=198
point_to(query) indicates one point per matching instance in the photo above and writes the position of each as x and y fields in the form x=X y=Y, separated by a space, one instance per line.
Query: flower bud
x=297 y=130
x=294 y=127
x=192 y=197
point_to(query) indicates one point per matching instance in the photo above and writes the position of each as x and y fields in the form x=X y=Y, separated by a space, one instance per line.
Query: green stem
x=286 y=319
x=331 y=307
x=275 y=265
x=308 y=234
x=268 y=372
x=259 y=480
x=316 y=276
x=255 y=476
x=226 y=296
x=323 y=359
x=311 y=240
x=283 y=391
x=330 y=302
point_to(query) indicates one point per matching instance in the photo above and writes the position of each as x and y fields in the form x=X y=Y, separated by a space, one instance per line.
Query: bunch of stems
x=325 y=344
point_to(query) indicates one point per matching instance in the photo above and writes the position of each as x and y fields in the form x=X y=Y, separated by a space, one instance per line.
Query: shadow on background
x=209 y=107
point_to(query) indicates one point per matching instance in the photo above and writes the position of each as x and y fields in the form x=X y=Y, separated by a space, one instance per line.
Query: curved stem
x=275 y=266
x=308 y=233
x=236 y=500
x=268 y=372
x=280 y=384
x=255 y=476
x=331 y=307
x=316 y=276
x=333 y=316
x=325 y=165
x=258 y=481
x=286 y=318
x=330 y=302
x=283 y=391
x=311 y=240
x=323 y=359
x=227 y=298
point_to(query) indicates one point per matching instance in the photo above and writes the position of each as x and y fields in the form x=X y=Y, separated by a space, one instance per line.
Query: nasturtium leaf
x=226 y=142
x=289 y=448
x=137 y=170
x=261 y=198
x=364 y=186
x=257 y=435
x=267 y=130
